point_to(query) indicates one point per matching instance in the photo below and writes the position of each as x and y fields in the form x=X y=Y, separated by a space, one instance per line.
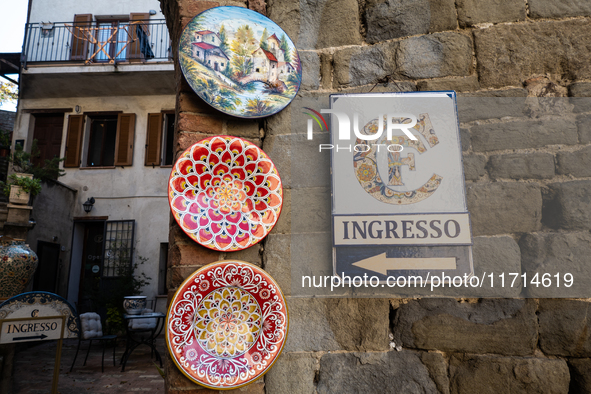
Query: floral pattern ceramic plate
x=225 y=193
x=227 y=324
x=240 y=62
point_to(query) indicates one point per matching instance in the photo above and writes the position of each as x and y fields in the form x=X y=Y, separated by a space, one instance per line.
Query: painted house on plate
x=210 y=55
x=208 y=37
x=264 y=65
x=97 y=88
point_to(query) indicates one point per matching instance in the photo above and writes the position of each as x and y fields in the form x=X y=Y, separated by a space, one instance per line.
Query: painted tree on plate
x=257 y=107
x=223 y=39
x=243 y=46
x=285 y=48
x=264 y=38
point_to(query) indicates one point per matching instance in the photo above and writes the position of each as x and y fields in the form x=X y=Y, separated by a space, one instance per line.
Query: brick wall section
x=528 y=181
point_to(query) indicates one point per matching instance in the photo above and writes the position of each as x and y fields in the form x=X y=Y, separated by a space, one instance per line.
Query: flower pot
x=134 y=305
x=17 y=266
x=18 y=195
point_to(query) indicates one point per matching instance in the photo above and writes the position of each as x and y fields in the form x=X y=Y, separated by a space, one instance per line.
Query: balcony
x=97 y=43
x=96 y=59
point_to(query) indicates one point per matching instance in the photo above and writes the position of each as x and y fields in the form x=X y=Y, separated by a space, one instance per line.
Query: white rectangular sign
x=31 y=329
x=398 y=194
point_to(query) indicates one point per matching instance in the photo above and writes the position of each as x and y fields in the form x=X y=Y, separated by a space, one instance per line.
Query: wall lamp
x=88 y=205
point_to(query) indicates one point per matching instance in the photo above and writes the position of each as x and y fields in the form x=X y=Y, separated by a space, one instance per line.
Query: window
x=100 y=140
x=159 y=139
x=118 y=246
x=112 y=37
x=122 y=39
x=198 y=54
x=258 y=70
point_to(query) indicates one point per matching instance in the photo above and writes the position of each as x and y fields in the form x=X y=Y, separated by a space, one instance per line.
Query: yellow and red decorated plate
x=225 y=193
x=227 y=324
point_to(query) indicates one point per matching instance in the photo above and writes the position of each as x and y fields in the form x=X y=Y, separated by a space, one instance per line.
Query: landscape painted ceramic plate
x=240 y=62
x=225 y=193
x=227 y=324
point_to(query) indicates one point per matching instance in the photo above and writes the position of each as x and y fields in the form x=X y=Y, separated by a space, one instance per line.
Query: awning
x=10 y=64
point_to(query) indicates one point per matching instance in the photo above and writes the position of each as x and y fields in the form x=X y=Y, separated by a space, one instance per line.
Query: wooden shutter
x=74 y=140
x=79 y=44
x=154 y=139
x=124 y=140
x=135 y=53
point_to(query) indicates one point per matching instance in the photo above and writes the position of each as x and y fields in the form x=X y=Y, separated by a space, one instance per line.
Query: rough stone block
x=250 y=255
x=200 y=124
x=312 y=210
x=363 y=65
x=353 y=324
x=564 y=328
x=387 y=372
x=474 y=167
x=292 y=373
x=463 y=84
x=386 y=87
x=549 y=254
x=567 y=205
x=437 y=367
x=523 y=134
x=191 y=254
x=507 y=55
x=504 y=208
x=311 y=265
x=558 y=9
x=327 y=23
x=496 y=255
x=505 y=375
x=176 y=275
x=580 y=93
x=522 y=166
x=310 y=70
x=443 y=15
x=434 y=56
x=277 y=260
x=287 y=15
x=326 y=70
x=584 y=128
x=577 y=163
x=465 y=137
x=387 y=19
x=472 y=108
x=245 y=128
x=580 y=375
x=472 y=12
x=287 y=149
x=499 y=326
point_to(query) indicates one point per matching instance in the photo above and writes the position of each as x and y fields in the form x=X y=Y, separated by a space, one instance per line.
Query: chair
x=92 y=330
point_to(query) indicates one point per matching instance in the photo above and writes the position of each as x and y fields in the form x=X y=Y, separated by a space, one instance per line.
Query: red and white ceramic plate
x=225 y=193
x=227 y=324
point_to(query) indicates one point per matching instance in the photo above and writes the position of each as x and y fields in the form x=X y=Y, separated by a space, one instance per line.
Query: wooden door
x=48 y=133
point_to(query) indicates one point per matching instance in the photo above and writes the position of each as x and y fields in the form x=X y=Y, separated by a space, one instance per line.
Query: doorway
x=46 y=274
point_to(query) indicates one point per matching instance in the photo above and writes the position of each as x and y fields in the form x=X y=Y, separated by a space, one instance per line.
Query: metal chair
x=91 y=330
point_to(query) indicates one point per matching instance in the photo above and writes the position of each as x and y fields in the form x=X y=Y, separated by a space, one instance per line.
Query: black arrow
x=42 y=336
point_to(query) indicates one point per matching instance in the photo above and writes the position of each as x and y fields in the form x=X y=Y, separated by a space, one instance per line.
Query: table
x=142 y=336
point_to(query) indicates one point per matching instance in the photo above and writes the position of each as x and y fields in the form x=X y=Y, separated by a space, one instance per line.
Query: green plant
x=21 y=162
x=126 y=283
x=5 y=138
x=29 y=185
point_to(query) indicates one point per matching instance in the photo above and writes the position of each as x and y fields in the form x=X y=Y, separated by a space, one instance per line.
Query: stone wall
x=528 y=181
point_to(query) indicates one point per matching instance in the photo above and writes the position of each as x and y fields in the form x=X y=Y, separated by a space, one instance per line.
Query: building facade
x=97 y=89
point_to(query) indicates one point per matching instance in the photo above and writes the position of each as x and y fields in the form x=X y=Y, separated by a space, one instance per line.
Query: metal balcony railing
x=97 y=42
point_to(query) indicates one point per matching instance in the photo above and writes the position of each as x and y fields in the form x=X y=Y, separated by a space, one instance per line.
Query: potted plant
x=19 y=188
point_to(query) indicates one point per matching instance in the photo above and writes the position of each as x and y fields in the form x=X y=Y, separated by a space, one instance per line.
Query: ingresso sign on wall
x=399 y=203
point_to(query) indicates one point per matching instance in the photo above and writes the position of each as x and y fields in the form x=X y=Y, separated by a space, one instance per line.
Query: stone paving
x=34 y=369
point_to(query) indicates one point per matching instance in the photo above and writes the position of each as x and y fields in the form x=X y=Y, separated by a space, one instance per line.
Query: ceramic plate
x=227 y=324
x=240 y=62
x=225 y=193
